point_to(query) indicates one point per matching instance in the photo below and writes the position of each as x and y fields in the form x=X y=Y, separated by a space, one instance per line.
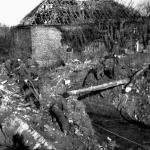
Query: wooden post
x=137 y=46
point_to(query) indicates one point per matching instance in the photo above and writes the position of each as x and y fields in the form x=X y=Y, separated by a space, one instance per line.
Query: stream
x=126 y=135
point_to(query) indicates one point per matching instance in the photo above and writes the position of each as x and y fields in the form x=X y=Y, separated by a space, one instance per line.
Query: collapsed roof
x=64 y=12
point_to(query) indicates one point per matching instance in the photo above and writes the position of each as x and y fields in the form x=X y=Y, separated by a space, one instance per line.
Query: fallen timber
x=124 y=97
x=136 y=61
x=100 y=87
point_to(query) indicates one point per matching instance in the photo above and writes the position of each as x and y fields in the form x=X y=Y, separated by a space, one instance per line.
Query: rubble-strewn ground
x=61 y=121
x=116 y=102
x=37 y=126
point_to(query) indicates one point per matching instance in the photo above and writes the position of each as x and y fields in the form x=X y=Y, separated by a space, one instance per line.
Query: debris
x=2 y=88
x=62 y=120
x=128 y=89
x=18 y=126
x=19 y=117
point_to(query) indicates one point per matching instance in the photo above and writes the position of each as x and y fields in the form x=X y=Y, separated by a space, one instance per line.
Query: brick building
x=53 y=26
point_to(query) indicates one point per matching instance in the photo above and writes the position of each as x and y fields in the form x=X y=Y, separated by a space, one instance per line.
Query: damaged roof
x=66 y=12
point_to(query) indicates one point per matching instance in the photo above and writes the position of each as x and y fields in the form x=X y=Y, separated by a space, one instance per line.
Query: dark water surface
x=127 y=135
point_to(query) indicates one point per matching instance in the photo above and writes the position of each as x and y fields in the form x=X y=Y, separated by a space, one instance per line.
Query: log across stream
x=124 y=131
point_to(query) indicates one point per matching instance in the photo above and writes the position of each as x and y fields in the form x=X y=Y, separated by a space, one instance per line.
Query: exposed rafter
x=60 y=12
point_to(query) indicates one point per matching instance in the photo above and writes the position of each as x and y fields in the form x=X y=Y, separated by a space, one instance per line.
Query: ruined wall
x=21 y=44
x=40 y=42
x=47 y=45
x=47 y=48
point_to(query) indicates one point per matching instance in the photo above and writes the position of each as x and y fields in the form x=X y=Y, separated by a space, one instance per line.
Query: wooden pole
x=99 y=87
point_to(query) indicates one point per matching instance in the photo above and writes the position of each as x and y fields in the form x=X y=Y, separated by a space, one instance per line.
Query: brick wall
x=46 y=45
x=43 y=43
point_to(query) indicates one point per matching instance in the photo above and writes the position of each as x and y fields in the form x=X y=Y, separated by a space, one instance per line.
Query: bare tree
x=144 y=8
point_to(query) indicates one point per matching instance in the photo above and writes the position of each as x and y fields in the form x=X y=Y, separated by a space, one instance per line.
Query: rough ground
x=37 y=128
x=25 y=126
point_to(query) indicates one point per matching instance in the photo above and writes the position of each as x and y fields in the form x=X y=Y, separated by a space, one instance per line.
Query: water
x=127 y=135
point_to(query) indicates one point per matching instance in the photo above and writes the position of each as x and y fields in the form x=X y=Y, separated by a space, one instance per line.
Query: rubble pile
x=59 y=121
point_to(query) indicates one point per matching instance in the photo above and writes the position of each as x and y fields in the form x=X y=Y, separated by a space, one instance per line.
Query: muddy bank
x=118 y=113
x=132 y=99
x=117 y=108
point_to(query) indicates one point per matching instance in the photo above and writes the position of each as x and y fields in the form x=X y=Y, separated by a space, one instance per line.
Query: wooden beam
x=99 y=87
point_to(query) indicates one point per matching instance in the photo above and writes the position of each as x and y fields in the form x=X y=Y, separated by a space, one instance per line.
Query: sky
x=13 y=11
